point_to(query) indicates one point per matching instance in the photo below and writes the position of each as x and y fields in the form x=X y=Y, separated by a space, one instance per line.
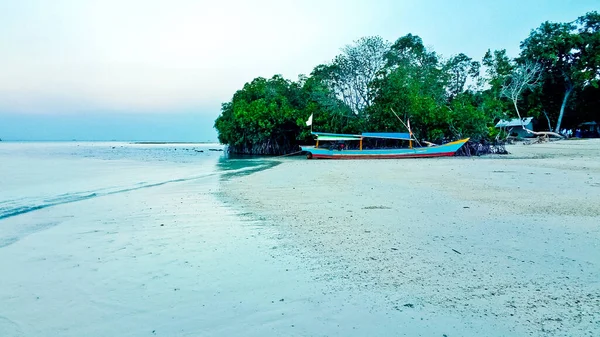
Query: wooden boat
x=340 y=151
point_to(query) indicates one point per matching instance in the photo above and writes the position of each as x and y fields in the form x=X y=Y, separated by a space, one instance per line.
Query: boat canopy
x=387 y=135
x=335 y=136
x=384 y=135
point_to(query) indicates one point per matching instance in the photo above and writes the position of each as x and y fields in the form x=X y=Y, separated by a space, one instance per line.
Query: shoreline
x=154 y=252
x=511 y=239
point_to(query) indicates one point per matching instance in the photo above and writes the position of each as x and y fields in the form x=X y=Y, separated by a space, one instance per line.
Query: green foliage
x=467 y=118
x=460 y=68
x=262 y=118
x=372 y=83
x=498 y=66
x=569 y=53
x=429 y=93
x=412 y=87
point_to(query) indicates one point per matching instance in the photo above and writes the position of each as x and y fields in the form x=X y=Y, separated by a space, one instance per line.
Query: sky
x=160 y=69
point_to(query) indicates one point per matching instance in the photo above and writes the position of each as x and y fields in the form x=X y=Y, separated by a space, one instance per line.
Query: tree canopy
x=570 y=56
x=372 y=81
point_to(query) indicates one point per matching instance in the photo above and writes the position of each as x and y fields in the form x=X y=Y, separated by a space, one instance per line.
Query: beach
x=503 y=245
x=165 y=240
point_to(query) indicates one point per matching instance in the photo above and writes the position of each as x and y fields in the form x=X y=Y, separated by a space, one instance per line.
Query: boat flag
x=309 y=121
x=408 y=126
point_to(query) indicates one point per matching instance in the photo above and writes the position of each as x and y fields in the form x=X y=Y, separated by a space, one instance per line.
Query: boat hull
x=445 y=150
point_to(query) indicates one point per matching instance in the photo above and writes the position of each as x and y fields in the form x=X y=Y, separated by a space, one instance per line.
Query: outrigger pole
x=406 y=126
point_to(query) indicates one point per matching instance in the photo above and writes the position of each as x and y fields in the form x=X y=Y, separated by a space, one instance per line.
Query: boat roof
x=387 y=135
x=341 y=136
x=335 y=136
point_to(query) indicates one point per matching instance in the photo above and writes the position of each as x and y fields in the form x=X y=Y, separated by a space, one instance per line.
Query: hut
x=514 y=126
x=589 y=130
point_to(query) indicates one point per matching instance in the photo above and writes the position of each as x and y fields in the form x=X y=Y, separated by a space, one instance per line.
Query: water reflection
x=239 y=165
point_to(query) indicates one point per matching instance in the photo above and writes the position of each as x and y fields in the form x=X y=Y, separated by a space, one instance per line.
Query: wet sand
x=493 y=246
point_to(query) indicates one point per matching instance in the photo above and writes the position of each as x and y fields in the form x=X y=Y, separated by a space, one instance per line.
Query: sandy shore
x=496 y=245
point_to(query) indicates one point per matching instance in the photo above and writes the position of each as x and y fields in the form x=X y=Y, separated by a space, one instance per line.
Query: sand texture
x=489 y=246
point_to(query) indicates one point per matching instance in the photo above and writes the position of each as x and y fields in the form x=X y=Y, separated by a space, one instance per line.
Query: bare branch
x=525 y=77
x=356 y=68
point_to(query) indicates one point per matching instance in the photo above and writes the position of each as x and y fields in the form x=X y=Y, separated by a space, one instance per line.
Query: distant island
x=162 y=143
x=555 y=79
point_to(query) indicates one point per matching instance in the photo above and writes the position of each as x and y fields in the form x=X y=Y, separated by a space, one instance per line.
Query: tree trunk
x=548 y=119
x=562 y=107
x=519 y=114
x=545 y=134
x=269 y=147
x=517 y=110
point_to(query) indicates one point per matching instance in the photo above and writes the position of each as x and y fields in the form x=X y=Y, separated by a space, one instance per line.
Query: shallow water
x=35 y=176
x=103 y=239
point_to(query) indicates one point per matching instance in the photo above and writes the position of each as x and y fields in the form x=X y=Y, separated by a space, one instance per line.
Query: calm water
x=36 y=175
x=117 y=239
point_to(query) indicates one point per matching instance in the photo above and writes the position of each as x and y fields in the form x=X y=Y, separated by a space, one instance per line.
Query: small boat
x=337 y=148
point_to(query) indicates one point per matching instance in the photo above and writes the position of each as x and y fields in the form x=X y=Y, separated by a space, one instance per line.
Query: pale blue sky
x=158 y=70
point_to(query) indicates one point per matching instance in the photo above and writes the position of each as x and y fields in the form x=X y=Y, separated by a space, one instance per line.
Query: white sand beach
x=490 y=246
x=499 y=246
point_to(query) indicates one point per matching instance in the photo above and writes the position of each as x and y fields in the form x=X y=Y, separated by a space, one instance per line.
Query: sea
x=38 y=175
x=133 y=239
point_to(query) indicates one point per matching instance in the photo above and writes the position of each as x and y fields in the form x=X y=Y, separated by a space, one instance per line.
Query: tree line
x=555 y=78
